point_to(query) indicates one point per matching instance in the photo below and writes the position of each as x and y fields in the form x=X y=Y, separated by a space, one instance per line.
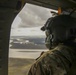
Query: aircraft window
x=27 y=41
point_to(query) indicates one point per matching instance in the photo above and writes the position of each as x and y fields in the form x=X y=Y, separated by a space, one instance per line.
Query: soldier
x=61 y=42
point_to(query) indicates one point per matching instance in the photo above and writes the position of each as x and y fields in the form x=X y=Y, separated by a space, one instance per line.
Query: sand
x=19 y=66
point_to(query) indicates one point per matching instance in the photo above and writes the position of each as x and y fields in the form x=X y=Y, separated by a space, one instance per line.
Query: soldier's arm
x=48 y=64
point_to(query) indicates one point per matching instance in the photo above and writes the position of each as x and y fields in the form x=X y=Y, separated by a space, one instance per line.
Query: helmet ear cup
x=59 y=34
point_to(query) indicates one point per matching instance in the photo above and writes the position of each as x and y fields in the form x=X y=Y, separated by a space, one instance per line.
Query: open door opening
x=27 y=41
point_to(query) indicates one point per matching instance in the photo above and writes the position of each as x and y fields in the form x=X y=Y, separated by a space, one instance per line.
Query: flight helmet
x=59 y=29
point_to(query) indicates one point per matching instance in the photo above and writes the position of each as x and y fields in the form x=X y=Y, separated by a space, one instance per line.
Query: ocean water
x=25 y=53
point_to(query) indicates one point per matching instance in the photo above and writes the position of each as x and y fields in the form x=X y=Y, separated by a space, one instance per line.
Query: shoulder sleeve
x=48 y=64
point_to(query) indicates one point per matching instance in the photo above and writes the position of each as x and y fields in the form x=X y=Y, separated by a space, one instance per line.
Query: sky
x=29 y=21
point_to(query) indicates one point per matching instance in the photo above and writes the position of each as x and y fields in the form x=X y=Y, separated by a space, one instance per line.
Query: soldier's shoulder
x=60 y=51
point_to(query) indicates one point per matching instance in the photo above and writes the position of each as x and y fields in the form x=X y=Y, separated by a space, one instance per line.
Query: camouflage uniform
x=54 y=62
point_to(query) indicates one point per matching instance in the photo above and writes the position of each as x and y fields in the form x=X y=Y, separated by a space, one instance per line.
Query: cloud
x=32 y=31
x=16 y=22
x=32 y=15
